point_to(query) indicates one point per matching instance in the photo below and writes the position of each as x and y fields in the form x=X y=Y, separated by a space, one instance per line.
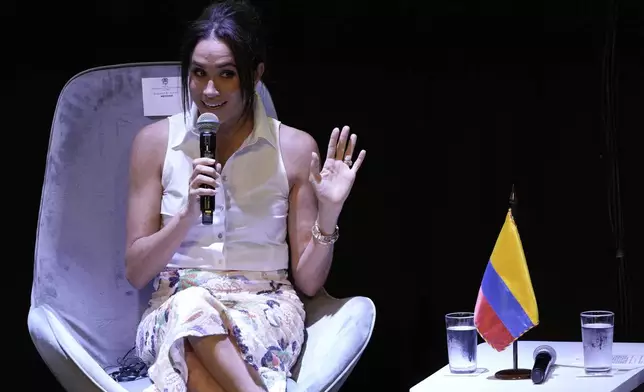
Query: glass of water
x=462 y=339
x=597 y=339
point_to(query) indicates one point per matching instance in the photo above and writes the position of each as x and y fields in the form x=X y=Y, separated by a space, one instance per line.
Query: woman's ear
x=259 y=72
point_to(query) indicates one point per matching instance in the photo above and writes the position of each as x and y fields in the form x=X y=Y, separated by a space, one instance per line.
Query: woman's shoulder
x=296 y=141
x=152 y=139
x=296 y=146
x=155 y=132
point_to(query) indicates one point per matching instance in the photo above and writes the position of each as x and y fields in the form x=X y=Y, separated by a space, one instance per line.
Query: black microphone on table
x=207 y=125
x=544 y=357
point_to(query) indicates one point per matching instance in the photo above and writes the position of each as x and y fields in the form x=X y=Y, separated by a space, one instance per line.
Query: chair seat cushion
x=338 y=332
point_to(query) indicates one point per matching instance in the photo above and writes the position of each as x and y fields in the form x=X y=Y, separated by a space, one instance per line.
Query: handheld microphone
x=207 y=125
x=544 y=357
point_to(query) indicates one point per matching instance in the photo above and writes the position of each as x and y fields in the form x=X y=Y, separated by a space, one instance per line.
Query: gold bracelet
x=325 y=239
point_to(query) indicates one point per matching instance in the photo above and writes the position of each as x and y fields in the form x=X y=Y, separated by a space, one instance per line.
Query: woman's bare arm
x=310 y=260
x=149 y=248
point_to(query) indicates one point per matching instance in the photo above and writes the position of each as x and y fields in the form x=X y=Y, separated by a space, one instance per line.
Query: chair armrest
x=338 y=332
x=70 y=363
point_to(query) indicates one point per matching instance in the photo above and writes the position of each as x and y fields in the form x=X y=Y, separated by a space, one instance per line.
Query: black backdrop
x=455 y=101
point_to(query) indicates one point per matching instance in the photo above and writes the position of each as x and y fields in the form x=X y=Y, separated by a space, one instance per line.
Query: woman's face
x=214 y=82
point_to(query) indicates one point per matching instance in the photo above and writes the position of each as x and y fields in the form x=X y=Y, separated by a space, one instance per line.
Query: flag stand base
x=515 y=373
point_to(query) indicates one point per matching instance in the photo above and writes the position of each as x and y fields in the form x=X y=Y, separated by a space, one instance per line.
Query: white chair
x=84 y=313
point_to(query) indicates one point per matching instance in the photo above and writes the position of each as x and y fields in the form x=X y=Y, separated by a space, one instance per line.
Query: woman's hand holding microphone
x=205 y=171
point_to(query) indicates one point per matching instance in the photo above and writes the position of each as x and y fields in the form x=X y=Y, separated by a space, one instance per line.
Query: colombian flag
x=506 y=306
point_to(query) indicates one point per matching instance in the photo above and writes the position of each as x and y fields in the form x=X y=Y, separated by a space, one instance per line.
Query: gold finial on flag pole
x=513 y=199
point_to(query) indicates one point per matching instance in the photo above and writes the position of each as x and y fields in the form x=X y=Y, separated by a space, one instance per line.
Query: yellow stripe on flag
x=510 y=264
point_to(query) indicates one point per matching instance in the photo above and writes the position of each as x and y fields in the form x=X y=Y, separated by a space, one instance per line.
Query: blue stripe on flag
x=503 y=302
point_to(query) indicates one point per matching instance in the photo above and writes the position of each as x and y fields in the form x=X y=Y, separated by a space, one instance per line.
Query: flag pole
x=515 y=373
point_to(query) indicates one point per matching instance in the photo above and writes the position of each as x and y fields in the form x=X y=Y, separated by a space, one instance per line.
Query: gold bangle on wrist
x=325 y=239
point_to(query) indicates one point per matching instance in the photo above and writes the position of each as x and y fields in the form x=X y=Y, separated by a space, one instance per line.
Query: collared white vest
x=250 y=219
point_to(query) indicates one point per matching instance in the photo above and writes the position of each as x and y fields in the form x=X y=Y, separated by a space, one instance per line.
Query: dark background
x=455 y=101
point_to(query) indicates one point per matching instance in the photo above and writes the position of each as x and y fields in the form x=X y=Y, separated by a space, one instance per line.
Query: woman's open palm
x=333 y=183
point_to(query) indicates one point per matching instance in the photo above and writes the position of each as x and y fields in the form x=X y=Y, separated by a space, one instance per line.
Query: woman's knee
x=190 y=297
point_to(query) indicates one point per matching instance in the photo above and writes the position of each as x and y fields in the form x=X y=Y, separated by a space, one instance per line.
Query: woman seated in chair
x=224 y=315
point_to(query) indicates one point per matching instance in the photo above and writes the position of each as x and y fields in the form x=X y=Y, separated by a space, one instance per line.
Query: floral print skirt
x=260 y=311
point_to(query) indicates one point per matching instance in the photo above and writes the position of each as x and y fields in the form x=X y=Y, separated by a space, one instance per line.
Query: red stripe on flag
x=490 y=326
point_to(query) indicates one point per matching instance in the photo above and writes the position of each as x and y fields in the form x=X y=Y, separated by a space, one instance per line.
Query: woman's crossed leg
x=215 y=365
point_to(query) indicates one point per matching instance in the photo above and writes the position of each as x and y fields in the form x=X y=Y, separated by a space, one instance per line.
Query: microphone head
x=545 y=349
x=208 y=122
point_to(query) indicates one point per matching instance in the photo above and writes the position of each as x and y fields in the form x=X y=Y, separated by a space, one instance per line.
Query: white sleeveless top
x=251 y=207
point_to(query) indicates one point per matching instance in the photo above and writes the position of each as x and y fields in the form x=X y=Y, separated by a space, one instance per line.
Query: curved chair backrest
x=79 y=258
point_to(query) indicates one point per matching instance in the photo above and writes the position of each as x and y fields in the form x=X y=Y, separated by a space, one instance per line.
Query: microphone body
x=207 y=124
x=544 y=357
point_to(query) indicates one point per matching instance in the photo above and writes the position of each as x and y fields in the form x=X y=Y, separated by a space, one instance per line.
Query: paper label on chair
x=161 y=96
